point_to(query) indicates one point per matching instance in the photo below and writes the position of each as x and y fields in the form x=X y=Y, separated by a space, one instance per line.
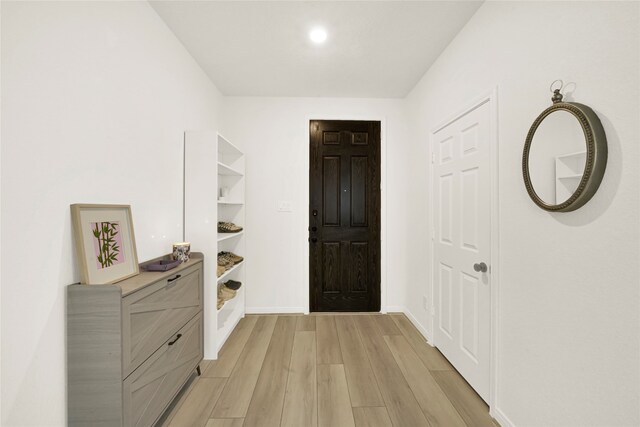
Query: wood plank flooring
x=328 y=370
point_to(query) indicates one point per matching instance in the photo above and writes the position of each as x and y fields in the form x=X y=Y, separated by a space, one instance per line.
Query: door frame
x=383 y=201
x=490 y=97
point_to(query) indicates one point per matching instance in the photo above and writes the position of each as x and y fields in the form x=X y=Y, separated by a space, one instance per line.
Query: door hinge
x=433 y=158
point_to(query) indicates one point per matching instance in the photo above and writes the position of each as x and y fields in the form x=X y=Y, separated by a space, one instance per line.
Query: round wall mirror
x=565 y=155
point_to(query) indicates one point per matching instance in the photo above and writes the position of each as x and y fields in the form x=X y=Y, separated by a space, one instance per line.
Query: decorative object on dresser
x=164 y=265
x=132 y=346
x=181 y=251
x=105 y=242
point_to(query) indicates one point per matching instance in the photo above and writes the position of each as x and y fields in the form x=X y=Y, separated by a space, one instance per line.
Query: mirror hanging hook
x=557 y=96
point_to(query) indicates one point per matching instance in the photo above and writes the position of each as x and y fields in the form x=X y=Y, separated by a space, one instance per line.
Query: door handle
x=482 y=267
x=313 y=239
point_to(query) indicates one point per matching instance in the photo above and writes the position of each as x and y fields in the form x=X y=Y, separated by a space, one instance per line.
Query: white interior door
x=462 y=241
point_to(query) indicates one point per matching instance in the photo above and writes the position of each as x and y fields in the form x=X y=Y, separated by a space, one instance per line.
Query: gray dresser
x=131 y=346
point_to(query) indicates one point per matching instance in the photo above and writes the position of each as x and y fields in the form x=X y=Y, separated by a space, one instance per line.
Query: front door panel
x=344 y=216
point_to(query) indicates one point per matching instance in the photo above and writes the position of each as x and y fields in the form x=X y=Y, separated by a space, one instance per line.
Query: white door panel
x=462 y=238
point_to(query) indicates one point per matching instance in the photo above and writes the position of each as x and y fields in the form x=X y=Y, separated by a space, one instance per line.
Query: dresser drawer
x=149 y=389
x=154 y=314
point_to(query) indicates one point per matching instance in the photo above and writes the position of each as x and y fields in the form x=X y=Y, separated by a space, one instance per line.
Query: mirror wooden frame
x=596 y=158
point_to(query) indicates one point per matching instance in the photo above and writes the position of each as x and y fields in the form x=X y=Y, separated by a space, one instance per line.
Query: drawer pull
x=175 y=278
x=176 y=340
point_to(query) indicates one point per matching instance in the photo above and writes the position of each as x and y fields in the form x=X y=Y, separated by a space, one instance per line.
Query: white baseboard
x=274 y=310
x=500 y=417
x=395 y=309
x=419 y=326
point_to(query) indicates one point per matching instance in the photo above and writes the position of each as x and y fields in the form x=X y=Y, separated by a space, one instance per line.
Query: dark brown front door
x=344 y=216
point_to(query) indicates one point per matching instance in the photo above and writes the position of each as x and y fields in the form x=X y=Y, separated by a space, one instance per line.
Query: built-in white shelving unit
x=202 y=211
x=231 y=167
x=569 y=171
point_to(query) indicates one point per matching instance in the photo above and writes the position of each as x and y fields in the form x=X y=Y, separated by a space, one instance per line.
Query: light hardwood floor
x=328 y=371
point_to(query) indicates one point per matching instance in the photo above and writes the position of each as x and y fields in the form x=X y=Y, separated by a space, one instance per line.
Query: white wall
x=569 y=313
x=274 y=132
x=95 y=98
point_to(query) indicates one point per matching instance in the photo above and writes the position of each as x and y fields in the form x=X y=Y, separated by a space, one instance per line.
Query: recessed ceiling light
x=318 y=35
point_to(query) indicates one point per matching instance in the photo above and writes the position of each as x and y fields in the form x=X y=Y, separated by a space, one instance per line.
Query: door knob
x=313 y=240
x=482 y=267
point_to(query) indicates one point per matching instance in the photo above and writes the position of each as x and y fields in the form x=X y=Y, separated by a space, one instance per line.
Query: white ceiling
x=376 y=49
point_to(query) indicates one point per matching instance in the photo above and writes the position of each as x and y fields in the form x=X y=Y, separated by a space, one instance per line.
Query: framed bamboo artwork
x=105 y=242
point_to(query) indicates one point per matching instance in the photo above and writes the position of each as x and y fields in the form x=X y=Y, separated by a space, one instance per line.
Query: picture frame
x=105 y=243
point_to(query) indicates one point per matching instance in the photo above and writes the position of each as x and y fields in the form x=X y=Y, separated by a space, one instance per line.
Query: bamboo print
x=107 y=236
